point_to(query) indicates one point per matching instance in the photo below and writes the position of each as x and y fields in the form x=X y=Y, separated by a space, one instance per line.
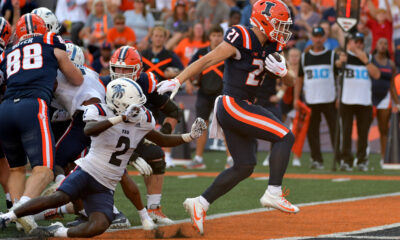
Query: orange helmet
x=30 y=24
x=272 y=17
x=5 y=32
x=129 y=58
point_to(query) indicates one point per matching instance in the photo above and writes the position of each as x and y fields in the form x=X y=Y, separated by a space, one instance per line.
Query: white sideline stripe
x=341 y=179
x=261 y=178
x=257 y=210
x=187 y=176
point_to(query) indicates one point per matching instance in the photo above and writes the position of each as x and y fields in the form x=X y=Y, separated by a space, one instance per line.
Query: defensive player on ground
x=115 y=128
x=5 y=34
x=247 y=53
x=126 y=62
x=30 y=69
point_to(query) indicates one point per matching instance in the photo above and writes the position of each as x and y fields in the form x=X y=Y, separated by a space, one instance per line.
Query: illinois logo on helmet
x=272 y=17
x=30 y=24
x=5 y=32
x=126 y=62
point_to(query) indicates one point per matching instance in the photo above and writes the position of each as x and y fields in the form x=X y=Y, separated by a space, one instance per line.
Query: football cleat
x=27 y=223
x=44 y=232
x=195 y=164
x=120 y=222
x=158 y=216
x=317 y=165
x=296 y=162
x=278 y=202
x=197 y=213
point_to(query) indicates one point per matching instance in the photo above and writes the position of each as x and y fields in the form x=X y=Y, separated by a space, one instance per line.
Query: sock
x=83 y=212
x=275 y=190
x=115 y=210
x=198 y=158
x=10 y=215
x=153 y=199
x=143 y=214
x=24 y=199
x=204 y=202
x=8 y=197
x=61 y=232
x=63 y=209
x=59 y=178
x=229 y=159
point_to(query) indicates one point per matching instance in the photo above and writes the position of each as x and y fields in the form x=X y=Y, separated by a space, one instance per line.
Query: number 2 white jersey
x=71 y=97
x=110 y=151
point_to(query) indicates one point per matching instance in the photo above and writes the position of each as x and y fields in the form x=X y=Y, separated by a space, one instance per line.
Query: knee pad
x=158 y=166
x=243 y=171
x=153 y=155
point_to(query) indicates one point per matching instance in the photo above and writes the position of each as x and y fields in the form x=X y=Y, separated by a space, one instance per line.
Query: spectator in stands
x=19 y=7
x=210 y=87
x=380 y=24
x=188 y=46
x=246 y=12
x=96 y=26
x=127 y=5
x=165 y=64
x=382 y=89
x=330 y=43
x=211 y=12
x=101 y=63
x=141 y=22
x=305 y=21
x=356 y=100
x=234 y=19
x=179 y=22
x=121 y=34
x=113 y=7
x=72 y=16
x=316 y=79
x=396 y=31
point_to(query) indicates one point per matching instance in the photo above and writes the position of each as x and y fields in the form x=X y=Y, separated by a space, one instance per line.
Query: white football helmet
x=75 y=54
x=49 y=18
x=122 y=93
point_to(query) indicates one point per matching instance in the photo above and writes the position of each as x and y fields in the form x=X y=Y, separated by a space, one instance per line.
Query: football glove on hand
x=171 y=85
x=276 y=67
x=60 y=115
x=133 y=113
x=198 y=127
x=141 y=165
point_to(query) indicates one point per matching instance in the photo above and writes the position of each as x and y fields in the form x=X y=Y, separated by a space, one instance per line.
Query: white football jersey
x=110 y=151
x=71 y=97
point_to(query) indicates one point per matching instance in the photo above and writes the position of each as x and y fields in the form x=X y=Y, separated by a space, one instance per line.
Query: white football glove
x=275 y=67
x=133 y=113
x=60 y=115
x=171 y=85
x=142 y=166
x=198 y=127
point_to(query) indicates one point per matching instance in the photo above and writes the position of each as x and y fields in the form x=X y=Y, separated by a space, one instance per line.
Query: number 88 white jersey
x=110 y=151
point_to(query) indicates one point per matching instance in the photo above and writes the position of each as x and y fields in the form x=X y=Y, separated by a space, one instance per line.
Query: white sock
x=59 y=178
x=24 y=199
x=8 y=197
x=115 y=210
x=10 y=215
x=143 y=214
x=198 y=158
x=153 y=199
x=61 y=232
x=204 y=202
x=63 y=209
x=229 y=159
x=275 y=190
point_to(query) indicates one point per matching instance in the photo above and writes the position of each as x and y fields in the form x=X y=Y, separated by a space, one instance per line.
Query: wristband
x=186 y=137
x=115 y=120
x=280 y=94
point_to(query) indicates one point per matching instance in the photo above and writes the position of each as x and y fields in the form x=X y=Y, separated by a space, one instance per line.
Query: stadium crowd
x=169 y=35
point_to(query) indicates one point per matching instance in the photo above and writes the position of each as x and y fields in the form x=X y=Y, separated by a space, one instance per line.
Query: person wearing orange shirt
x=120 y=34
x=187 y=47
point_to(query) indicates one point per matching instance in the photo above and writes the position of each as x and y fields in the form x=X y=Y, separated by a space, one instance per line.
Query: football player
x=248 y=54
x=116 y=128
x=30 y=69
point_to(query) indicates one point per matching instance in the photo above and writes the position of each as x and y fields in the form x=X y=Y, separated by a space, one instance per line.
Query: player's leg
x=96 y=225
x=171 y=122
x=4 y=175
x=313 y=136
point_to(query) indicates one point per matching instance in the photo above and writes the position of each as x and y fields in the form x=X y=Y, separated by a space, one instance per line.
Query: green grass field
x=246 y=195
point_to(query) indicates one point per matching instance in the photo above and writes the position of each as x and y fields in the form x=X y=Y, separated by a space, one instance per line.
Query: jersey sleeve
x=105 y=80
x=94 y=112
x=238 y=36
x=148 y=82
x=148 y=122
x=54 y=40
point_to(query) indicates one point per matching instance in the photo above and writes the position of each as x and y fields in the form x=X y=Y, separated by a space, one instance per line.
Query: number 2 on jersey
x=251 y=78
x=121 y=141
x=31 y=59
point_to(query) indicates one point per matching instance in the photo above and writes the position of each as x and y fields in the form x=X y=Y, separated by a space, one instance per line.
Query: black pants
x=313 y=134
x=363 y=116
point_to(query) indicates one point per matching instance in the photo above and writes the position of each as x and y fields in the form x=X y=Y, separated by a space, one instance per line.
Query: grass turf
x=246 y=195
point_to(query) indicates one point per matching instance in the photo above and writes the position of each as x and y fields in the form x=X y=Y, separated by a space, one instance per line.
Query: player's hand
x=60 y=115
x=171 y=85
x=198 y=127
x=275 y=67
x=142 y=166
x=132 y=113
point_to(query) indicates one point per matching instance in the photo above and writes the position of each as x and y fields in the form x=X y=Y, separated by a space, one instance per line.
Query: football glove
x=133 y=113
x=60 y=115
x=198 y=127
x=171 y=85
x=276 y=67
x=141 y=165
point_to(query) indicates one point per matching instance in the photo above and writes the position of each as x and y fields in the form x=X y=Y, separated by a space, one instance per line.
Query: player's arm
x=94 y=128
x=164 y=140
x=72 y=73
x=289 y=79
